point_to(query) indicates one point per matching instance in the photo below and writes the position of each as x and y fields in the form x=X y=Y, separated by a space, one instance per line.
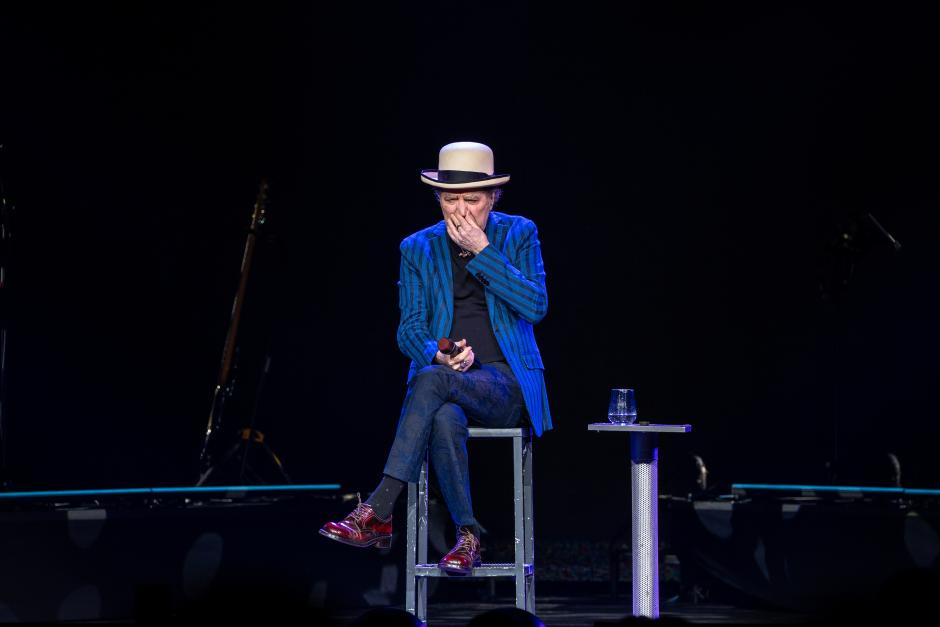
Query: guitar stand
x=239 y=452
x=242 y=446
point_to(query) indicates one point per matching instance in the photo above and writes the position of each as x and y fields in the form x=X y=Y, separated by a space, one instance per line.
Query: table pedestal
x=644 y=506
x=644 y=482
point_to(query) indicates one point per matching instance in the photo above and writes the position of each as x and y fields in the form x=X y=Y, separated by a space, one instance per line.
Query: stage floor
x=599 y=610
x=110 y=555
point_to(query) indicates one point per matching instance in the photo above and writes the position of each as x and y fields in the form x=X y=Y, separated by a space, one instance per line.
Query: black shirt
x=471 y=316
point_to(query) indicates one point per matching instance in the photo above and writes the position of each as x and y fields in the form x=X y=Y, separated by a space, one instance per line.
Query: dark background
x=690 y=168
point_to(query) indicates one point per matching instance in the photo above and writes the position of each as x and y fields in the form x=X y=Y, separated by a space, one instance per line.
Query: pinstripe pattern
x=514 y=278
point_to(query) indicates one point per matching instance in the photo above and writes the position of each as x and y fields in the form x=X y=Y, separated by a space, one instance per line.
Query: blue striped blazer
x=513 y=276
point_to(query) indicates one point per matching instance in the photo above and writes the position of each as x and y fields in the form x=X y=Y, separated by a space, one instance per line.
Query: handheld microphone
x=448 y=346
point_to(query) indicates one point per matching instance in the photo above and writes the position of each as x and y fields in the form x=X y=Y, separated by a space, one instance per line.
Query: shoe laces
x=467 y=543
x=361 y=513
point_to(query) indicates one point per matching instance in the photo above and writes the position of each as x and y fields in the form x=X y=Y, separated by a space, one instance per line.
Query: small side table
x=644 y=451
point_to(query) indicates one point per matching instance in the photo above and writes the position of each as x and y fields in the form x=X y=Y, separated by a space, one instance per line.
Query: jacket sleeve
x=414 y=337
x=519 y=282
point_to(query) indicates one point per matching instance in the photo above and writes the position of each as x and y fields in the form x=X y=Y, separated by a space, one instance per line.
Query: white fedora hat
x=464 y=165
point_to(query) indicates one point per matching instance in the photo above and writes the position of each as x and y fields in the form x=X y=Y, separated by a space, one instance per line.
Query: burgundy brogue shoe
x=360 y=528
x=464 y=556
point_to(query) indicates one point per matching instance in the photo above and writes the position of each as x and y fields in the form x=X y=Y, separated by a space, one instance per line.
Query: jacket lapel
x=496 y=230
x=443 y=310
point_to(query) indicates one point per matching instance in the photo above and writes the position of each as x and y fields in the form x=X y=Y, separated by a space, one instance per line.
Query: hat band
x=461 y=176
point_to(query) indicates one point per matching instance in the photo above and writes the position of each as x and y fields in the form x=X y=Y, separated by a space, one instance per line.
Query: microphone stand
x=6 y=211
x=847 y=249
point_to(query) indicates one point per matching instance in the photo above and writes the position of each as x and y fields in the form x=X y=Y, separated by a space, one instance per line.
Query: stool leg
x=422 y=532
x=416 y=552
x=529 y=511
x=518 y=510
x=411 y=549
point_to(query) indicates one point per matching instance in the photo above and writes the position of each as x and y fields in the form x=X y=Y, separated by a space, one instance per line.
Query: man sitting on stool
x=477 y=277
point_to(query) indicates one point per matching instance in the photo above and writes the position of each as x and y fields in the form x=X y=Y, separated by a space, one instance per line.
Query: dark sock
x=382 y=500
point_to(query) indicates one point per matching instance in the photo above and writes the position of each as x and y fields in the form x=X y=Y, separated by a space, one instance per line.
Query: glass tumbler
x=622 y=410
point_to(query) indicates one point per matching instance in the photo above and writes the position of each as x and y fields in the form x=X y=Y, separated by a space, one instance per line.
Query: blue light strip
x=192 y=490
x=784 y=487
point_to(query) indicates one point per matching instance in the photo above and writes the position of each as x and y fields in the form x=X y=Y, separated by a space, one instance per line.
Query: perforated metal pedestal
x=417 y=570
x=644 y=452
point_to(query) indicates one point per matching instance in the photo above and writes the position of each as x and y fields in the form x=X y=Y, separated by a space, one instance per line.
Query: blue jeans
x=439 y=406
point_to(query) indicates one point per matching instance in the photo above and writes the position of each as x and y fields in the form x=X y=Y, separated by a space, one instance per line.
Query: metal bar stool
x=417 y=570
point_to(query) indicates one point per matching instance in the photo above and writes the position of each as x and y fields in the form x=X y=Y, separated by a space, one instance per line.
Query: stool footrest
x=486 y=570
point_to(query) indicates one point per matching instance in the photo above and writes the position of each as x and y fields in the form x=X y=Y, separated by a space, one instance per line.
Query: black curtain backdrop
x=690 y=169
